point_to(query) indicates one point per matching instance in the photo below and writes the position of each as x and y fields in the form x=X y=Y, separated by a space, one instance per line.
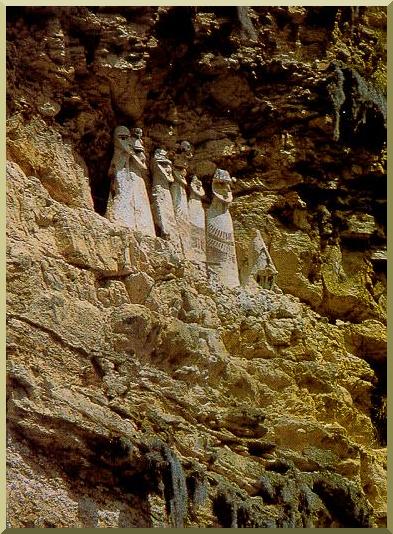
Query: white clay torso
x=163 y=205
x=121 y=202
x=180 y=206
x=221 y=252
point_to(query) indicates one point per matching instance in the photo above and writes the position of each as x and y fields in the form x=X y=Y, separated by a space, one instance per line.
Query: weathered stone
x=38 y=150
x=138 y=286
x=258 y=269
x=359 y=226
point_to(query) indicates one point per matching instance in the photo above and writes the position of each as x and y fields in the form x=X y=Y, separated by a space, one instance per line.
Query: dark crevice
x=225 y=510
x=324 y=17
x=176 y=26
x=346 y=504
x=98 y=166
x=66 y=113
x=379 y=402
x=363 y=114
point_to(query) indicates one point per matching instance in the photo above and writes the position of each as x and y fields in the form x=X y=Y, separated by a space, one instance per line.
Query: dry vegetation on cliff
x=139 y=393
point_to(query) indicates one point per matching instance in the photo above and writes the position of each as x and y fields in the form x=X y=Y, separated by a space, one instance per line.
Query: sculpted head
x=137 y=143
x=160 y=154
x=197 y=187
x=223 y=177
x=162 y=164
x=221 y=185
x=137 y=146
x=122 y=139
x=186 y=147
x=180 y=162
x=138 y=152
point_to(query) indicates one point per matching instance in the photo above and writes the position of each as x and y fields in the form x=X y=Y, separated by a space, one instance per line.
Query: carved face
x=196 y=186
x=160 y=154
x=186 y=147
x=138 y=147
x=222 y=189
x=122 y=139
x=163 y=164
x=222 y=185
x=222 y=176
x=180 y=177
x=137 y=143
x=138 y=150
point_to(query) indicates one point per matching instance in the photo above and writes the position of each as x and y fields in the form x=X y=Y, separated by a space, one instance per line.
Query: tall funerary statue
x=128 y=202
x=221 y=253
x=164 y=214
x=197 y=217
x=179 y=194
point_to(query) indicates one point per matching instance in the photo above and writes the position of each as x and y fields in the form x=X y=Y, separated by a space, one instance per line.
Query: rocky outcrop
x=141 y=393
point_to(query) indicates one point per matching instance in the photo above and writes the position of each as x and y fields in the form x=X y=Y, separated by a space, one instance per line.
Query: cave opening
x=97 y=160
x=90 y=44
x=379 y=402
x=322 y=16
x=14 y=13
x=32 y=16
x=100 y=187
x=363 y=113
x=176 y=25
x=224 y=510
x=67 y=112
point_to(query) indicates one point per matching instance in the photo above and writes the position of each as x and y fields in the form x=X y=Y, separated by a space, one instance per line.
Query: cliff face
x=140 y=393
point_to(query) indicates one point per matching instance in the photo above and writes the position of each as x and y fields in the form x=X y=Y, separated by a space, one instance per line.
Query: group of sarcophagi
x=204 y=237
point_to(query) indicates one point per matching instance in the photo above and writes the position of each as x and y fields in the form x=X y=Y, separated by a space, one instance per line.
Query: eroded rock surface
x=142 y=393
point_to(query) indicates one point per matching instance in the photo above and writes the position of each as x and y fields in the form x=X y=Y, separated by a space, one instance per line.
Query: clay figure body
x=179 y=194
x=162 y=200
x=119 y=208
x=221 y=252
x=197 y=219
x=138 y=170
x=128 y=202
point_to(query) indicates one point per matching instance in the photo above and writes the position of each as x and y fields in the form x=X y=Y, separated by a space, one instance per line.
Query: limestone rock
x=32 y=147
x=360 y=226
